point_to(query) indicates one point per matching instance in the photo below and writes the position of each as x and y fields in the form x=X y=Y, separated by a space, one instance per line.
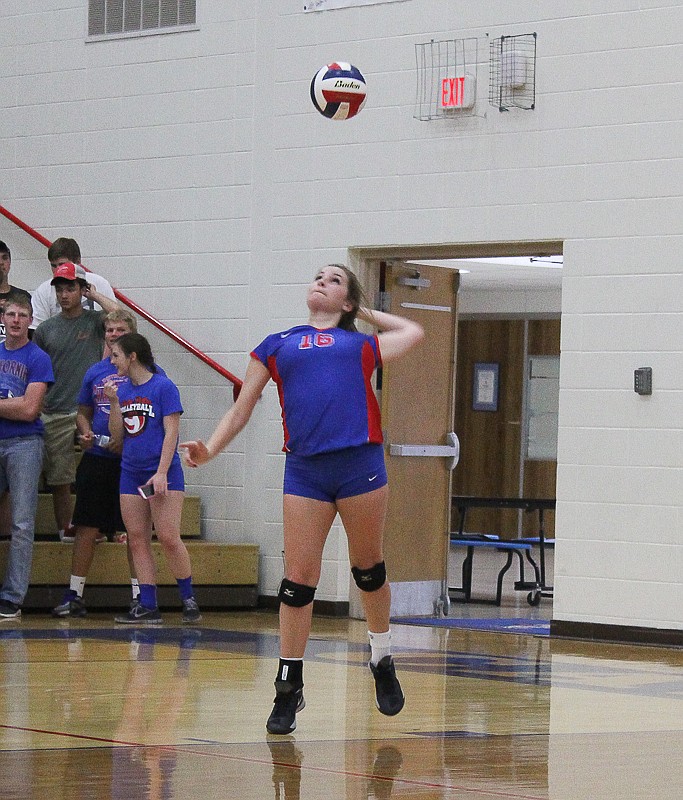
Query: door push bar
x=451 y=451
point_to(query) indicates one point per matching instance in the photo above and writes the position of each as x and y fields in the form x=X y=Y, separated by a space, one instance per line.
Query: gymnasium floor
x=93 y=710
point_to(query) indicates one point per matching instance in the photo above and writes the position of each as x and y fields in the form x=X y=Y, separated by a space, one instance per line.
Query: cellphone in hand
x=146 y=491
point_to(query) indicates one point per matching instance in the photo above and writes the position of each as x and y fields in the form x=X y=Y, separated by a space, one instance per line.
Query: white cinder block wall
x=197 y=177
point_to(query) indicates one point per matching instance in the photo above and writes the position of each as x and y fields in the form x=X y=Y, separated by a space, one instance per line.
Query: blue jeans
x=21 y=461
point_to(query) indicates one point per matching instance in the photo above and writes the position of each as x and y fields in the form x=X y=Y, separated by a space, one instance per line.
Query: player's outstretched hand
x=195 y=453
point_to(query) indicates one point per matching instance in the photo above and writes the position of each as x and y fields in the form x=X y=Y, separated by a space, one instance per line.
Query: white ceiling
x=509 y=273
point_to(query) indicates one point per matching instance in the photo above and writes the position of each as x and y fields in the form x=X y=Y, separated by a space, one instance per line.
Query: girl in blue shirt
x=334 y=464
x=145 y=410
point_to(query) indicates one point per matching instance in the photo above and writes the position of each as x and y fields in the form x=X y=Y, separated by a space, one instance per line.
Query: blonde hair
x=121 y=315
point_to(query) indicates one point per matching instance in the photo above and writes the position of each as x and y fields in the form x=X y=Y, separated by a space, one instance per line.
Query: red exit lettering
x=452 y=92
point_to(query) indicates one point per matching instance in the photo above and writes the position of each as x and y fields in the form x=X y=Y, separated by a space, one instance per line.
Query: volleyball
x=338 y=90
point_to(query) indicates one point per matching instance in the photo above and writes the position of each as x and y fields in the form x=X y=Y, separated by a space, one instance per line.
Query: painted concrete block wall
x=195 y=173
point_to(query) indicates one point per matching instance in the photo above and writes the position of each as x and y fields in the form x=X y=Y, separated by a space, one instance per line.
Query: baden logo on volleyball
x=338 y=90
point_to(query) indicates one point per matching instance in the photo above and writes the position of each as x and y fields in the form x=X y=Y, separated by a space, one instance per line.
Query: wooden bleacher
x=224 y=575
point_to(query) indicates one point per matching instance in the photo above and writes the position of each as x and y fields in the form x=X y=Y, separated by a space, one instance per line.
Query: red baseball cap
x=69 y=272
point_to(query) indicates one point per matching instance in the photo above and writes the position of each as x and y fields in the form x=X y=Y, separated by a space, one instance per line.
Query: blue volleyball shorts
x=132 y=478
x=336 y=475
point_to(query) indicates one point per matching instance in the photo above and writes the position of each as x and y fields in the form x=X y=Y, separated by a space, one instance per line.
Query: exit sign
x=457 y=92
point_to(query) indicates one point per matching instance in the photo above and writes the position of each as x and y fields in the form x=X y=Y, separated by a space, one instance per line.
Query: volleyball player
x=334 y=464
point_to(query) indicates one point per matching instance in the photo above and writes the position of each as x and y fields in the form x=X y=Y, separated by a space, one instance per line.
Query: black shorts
x=97 y=494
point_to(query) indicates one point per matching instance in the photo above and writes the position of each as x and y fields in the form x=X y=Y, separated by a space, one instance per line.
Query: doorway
x=420 y=521
x=496 y=459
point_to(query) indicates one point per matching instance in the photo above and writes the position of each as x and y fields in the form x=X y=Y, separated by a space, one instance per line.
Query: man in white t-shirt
x=45 y=305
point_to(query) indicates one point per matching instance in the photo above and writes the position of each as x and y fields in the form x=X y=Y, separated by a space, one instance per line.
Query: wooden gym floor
x=93 y=710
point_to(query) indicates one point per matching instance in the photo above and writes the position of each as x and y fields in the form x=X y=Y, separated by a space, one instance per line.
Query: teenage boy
x=5 y=290
x=25 y=375
x=74 y=340
x=5 y=287
x=63 y=251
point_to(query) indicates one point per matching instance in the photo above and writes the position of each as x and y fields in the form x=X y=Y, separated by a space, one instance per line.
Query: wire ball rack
x=512 y=72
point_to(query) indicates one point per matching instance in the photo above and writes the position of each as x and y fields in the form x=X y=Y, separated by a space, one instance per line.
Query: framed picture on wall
x=485 y=387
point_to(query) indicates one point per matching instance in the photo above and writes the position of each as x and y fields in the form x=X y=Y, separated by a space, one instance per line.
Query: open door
x=417 y=394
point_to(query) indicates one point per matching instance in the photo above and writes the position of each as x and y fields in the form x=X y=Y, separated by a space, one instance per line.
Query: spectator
x=25 y=374
x=5 y=291
x=147 y=408
x=97 y=510
x=74 y=340
x=45 y=304
x=5 y=287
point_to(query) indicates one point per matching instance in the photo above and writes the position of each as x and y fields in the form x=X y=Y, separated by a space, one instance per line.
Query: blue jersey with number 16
x=324 y=381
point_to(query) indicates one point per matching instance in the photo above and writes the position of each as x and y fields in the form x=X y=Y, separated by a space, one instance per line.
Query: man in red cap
x=74 y=340
x=44 y=300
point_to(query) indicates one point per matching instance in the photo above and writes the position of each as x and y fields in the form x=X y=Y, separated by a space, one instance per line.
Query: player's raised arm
x=197 y=452
x=398 y=334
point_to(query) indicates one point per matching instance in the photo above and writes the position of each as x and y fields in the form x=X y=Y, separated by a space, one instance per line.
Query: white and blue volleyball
x=338 y=90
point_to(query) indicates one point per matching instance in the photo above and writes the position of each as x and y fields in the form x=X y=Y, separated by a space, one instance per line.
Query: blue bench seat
x=536 y=540
x=513 y=547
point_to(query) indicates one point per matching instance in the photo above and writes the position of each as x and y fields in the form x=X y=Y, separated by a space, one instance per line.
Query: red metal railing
x=236 y=382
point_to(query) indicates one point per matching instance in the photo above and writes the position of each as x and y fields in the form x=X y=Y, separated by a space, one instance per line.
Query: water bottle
x=101 y=440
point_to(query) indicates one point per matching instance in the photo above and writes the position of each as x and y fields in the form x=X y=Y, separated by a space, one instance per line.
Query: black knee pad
x=370 y=580
x=296 y=595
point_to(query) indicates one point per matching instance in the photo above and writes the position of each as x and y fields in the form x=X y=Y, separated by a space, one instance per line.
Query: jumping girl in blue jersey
x=334 y=464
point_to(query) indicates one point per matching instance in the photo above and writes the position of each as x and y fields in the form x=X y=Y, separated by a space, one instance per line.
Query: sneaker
x=72 y=606
x=68 y=536
x=289 y=700
x=191 y=612
x=134 y=603
x=388 y=693
x=140 y=616
x=101 y=539
x=9 y=610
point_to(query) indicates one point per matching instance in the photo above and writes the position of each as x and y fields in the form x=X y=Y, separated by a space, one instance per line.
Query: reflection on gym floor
x=89 y=710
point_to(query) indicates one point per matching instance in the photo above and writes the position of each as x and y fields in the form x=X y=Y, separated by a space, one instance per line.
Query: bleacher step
x=224 y=575
x=190 y=523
